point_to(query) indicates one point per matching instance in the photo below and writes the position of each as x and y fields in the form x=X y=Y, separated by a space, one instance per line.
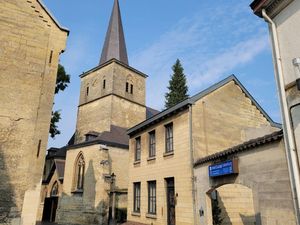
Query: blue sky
x=213 y=39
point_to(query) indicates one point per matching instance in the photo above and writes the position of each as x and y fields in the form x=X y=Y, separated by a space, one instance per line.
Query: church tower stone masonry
x=113 y=93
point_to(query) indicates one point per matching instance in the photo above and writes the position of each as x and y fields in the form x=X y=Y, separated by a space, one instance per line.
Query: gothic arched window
x=54 y=190
x=79 y=173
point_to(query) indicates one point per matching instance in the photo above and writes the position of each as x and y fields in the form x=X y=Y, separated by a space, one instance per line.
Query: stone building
x=52 y=184
x=258 y=191
x=31 y=41
x=163 y=149
x=283 y=18
x=112 y=99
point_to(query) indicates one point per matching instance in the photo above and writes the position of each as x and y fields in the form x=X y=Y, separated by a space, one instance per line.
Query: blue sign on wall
x=224 y=168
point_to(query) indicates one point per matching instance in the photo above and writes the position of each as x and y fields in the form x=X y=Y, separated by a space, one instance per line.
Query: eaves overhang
x=272 y=7
x=190 y=101
x=113 y=61
x=95 y=142
x=246 y=146
x=159 y=117
x=53 y=18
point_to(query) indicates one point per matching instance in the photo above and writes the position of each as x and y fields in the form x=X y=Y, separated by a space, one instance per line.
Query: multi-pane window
x=152 y=144
x=138 y=149
x=152 y=197
x=169 y=137
x=136 y=197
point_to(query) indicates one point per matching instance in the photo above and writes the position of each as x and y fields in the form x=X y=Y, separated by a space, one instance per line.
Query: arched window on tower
x=129 y=84
x=54 y=190
x=79 y=173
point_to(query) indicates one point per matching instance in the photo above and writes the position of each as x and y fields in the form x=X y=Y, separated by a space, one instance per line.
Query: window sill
x=151 y=216
x=135 y=214
x=151 y=158
x=137 y=162
x=79 y=192
x=166 y=154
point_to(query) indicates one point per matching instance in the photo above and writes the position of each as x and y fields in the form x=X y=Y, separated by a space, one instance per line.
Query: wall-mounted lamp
x=296 y=63
x=104 y=162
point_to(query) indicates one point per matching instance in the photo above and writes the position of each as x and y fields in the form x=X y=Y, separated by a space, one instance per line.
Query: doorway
x=171 y=202
x=50 y=206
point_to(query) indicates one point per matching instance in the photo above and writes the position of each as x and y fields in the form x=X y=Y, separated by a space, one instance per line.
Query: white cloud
x=210 y=44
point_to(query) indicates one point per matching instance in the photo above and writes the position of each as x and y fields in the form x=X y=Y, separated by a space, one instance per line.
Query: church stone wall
x=94 y=81
x=30 y=46
x=91 y=206
x=126 y=113
x=123 y=75
x=224 y=118
x=101 y=107
x=94 y=116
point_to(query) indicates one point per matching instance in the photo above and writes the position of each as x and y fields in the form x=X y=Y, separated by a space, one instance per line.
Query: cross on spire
x=114 y=45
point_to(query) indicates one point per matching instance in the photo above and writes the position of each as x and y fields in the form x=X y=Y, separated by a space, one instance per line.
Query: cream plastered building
x=31 y=41
x=163 y=149
x=112 y=99
x=283 y=17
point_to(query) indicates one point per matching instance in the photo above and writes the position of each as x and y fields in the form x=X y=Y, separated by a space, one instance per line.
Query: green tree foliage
x=53 y=125
x=62 y=81
x=177 y=86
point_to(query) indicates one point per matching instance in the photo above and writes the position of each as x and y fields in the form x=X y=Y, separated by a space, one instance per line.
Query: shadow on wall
x=248 y=220
x=233 y=205
x=79 y=208
x=8 y=207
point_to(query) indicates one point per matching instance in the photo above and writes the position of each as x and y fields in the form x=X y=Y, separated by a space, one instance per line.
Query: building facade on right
x=283 y=17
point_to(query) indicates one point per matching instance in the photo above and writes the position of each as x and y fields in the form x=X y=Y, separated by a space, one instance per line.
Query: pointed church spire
x=114 y=45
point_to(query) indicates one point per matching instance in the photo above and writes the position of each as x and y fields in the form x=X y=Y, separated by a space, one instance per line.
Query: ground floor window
x=136 y=196
x=152 y=197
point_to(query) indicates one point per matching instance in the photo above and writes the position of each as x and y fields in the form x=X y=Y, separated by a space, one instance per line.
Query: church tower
x=113 y=93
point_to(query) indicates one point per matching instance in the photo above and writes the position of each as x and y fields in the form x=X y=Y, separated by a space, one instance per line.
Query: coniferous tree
x=62 y=81
x=177 y=86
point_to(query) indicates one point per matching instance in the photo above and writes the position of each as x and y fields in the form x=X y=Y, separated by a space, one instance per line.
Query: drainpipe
x=192 y=162
x=289 y=141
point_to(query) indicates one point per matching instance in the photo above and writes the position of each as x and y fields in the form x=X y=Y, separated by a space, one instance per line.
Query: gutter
x=192 y=162
x=290 y=147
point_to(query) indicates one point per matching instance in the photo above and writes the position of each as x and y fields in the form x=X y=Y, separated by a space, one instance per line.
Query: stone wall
x=30 y=43
x=100 y=107
x=224 y=118
x=263 y=170
x=163 y=166
x=91 y=206
x=236 y=204
x=221 y=119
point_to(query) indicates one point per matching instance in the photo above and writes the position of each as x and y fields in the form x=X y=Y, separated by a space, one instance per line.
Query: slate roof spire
x=114 y=45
